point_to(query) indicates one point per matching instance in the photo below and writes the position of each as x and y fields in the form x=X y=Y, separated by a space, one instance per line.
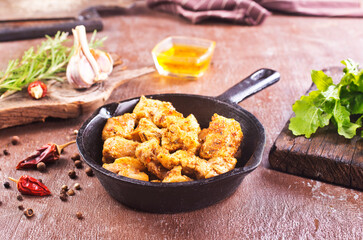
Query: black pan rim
x=233 y=173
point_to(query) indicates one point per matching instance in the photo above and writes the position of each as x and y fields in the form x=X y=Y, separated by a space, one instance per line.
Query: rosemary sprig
x=46 y=63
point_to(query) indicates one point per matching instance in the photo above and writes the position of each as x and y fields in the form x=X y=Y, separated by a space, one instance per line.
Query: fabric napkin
x=329 y=8
x=238 y=11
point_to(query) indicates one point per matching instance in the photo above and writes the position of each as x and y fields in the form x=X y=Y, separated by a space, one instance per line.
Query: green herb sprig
x=337 y=103
x=46 y=63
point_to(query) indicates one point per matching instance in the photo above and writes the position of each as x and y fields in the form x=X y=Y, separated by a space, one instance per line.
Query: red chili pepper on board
x=48 y=153
x=37 y=89
x=31 y=186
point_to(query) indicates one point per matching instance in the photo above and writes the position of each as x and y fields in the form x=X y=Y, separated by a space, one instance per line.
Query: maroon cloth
x=237 y=11
x=330 y=8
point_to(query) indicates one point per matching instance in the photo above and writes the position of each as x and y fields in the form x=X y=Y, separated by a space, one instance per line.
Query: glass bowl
x=180 y=56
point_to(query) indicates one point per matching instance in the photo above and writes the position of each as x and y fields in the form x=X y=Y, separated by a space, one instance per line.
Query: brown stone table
x=267 y=205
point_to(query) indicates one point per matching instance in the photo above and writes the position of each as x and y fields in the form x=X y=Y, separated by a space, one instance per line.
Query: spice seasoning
x=37 y=89
x=6 y=152
x=65 y=187
x=31 y=186
x=77 y=186
x=63 y=197
x=6 y=184
x=89 y=171
x=40 y=180
x=41 y=167
x=21 y=207
x=78 y=164
x=1 y=203
x=70 y=192
x=79 y=215
x=48 y=153
x=19 y=197
x=15 y=140
x=75 y=157
x=29 y=212
x=72 y=174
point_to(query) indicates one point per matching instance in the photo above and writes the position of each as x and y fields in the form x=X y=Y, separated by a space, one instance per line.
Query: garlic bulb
x=87 y=66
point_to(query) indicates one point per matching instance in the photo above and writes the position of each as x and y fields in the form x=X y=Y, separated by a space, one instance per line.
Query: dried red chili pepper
x=37 y=89
x=31 y=186
x=48 y=153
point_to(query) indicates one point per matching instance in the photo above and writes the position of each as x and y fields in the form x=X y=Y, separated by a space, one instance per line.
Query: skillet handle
x=252 y=84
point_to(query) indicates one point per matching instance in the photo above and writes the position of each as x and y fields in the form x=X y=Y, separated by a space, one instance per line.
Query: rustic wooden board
x=326 y=156
x=62 y=100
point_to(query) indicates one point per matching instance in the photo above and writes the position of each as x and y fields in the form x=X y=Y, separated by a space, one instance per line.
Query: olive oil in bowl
x=183 y=57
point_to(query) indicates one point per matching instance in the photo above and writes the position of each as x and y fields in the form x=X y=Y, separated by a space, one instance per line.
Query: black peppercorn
x=78 y=163
x=15 y=140
x=29 y=212
x=19 y=197
x=63 y=197
x=79 y=215
x=41 y=167
x=89 y=171
x=6 y=184
x=21 y=207
x=6 y=152
x=77 y=186
x=75 y=157
x=72 y=174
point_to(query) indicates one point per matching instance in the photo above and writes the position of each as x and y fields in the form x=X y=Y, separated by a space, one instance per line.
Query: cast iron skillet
x=185 y=196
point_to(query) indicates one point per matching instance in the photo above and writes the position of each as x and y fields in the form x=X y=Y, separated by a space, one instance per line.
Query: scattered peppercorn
x=65 y=187
x=63 y=197
x=89 y=171
x=19 y=197
x=1 y=203
x=79 y=215
x=75 y=132
x=72 y=174
x=77 y=186
x=41 y=167
x=78 y=163
x=21 y=207
x=15 y=140
x=70 y=192
x=40 y=180
x=6 y=184
x=29 y=212
x=75 y=157
x=6 y=152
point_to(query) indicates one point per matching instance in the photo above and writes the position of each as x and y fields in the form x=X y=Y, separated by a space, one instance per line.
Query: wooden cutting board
x=62 y=100
x=326 y=156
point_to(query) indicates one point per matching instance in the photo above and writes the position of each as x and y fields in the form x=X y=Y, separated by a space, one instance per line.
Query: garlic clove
x=86 y=65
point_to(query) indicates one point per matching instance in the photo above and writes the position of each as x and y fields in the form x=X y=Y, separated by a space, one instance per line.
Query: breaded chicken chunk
x=147 y=130
x=183 y=134
x=128 y=167
x=116 y=147
x=121 y=126
x=191 y=164
x=223 y=138
x=147 y=153
x=220 y=165
x=159 y=112
x=175 y=175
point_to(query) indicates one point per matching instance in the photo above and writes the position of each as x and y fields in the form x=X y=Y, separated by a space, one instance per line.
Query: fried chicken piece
x=147 y=130
x=223 y=138
x=128 y=167
x=220 y=165
x=147 y=153
x=159 y=112
x=121 y=126
x=175 y=175
x=183 y=134
x=116 y=147
x=191 y=164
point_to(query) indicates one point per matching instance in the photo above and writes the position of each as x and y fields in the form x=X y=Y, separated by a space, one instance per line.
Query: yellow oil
x=184 y=60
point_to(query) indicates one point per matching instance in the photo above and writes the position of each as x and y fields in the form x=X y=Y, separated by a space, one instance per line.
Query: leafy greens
x=335 y=102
